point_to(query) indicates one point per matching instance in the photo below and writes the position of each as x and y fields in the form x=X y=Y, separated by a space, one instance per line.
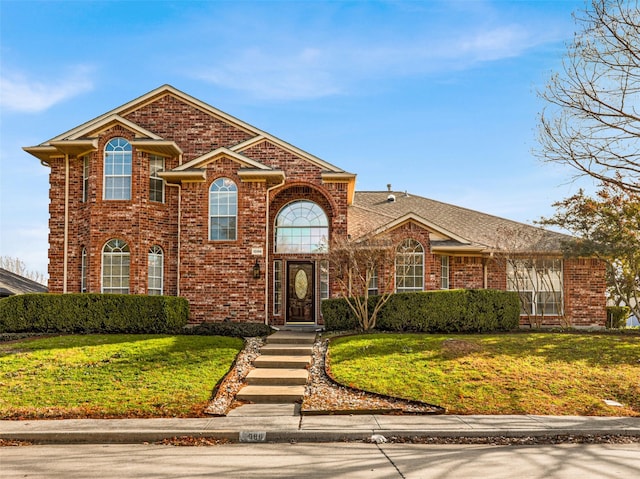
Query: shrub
x=617 y=316
x=434 y=311
x=238 y=330
x=93 y=313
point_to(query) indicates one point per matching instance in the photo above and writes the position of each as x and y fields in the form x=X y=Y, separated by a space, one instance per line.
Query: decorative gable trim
x=265 y=137
x=413 y=218
x=219 y=153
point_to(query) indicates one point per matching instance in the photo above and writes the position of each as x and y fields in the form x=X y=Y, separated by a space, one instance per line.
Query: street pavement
x=257 y=423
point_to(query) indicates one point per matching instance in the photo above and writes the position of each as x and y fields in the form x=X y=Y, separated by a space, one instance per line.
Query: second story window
x=223 y=210
x=117 y=170
x=156 y=184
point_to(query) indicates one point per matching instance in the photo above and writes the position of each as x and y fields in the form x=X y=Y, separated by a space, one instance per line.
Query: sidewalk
x=281 y=423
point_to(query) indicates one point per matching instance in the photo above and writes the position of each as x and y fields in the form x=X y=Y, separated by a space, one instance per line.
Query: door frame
x=314 y=295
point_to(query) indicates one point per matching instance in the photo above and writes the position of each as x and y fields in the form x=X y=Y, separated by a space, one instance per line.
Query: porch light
x=256 y=270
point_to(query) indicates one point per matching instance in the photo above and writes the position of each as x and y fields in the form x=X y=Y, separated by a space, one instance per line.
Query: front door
x=300 y=292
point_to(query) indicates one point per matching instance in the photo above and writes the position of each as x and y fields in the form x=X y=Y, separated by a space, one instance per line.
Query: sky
x=437 y=98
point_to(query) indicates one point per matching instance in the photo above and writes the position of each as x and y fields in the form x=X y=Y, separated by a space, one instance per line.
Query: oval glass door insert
x=302 y=284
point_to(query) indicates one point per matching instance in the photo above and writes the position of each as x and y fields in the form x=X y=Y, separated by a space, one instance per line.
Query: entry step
x=291 y=337
x=280 y=349
x=277 y=361
x=271 y=394
x=277 y=377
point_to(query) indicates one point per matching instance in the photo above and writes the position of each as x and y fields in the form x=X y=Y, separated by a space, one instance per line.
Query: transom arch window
x=301 y=227
x=115 y=267
x=156 y=270
x=223 y=210
x=409 y=266
x=117 y=170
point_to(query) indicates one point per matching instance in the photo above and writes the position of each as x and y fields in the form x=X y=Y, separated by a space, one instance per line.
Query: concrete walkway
x=281 y=423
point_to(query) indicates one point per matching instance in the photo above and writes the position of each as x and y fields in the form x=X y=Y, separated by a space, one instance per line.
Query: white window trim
x=211 y=216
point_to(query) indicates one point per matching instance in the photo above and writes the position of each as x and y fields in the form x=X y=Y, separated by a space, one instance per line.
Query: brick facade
x=217 y=276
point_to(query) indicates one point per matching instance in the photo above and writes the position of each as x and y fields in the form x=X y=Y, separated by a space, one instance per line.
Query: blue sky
x=435 y=97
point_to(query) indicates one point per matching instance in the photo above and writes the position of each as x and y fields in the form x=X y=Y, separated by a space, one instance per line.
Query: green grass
x=523 y=373
x=112 y=375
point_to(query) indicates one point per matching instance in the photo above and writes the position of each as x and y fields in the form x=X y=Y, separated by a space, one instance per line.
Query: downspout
x=266 y=254
x=66 y=224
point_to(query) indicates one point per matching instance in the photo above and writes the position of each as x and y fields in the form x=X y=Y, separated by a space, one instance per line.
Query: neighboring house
x=12 y=283
x=168 y=195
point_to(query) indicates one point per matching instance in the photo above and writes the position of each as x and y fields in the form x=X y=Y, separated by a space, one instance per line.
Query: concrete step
x=277 y=377
x=291 y=337
x=287 y=349
x=272 y=361
x=271 y=394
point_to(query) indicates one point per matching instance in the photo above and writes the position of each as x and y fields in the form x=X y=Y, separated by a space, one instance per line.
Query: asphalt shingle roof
x=16 y=284
x=371 y=210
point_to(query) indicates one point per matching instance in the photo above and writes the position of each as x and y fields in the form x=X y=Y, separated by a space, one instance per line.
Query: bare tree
x=359 y=267
x=592 y=122
x=17 y=266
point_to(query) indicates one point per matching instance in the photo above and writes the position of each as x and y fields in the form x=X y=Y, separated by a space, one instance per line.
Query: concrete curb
x=92 y=432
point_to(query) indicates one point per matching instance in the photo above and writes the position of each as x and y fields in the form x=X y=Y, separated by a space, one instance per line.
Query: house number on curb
x=253 y=436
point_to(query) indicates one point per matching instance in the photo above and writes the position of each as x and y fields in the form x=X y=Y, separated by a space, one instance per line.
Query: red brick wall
x=585 y=286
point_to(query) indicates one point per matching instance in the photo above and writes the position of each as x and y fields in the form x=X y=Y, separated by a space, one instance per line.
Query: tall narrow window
x=115 y=267
x=223 y=210
x=156 y=184
x=301 y=227
x=277 y=287
x=117 y=170
x=372 y=287
x=85 y=179
x=444 y=272
x=156 y=270
x=324 y=279
x=83 y=271
x=409 y=266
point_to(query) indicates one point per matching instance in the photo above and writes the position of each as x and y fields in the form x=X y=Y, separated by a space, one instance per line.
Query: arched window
x=301 y=227
x=409 y=266
x=117 y=170
x=223 y=210
x=115 y=267
x=156 y=270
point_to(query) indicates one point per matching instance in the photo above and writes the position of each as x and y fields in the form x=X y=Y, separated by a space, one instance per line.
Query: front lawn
x=112 y=375
x=522 y=373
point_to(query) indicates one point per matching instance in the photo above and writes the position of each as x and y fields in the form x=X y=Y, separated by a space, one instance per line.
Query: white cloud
x=21 y=94
x=320 y=69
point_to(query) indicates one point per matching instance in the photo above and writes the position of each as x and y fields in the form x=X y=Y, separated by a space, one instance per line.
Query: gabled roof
x=122 y=111
x=12 y=283
x=454 y=228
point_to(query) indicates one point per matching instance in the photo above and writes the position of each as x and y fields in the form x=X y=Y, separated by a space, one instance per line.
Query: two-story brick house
x=168 y=195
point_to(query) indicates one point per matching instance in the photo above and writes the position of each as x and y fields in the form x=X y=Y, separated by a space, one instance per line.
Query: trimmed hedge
x=617 y=316
x=238 y=330
x=93 y=313
x=446 y=311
